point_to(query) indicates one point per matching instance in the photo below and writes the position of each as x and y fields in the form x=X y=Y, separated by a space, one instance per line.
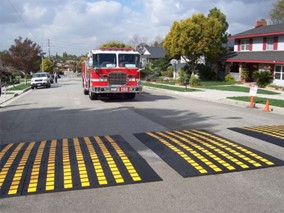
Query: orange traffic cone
x=251 y=102
x=266 y=108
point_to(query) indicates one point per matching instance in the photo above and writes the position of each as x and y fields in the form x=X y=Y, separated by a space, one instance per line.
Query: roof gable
x=156 y=52
x=275 y=29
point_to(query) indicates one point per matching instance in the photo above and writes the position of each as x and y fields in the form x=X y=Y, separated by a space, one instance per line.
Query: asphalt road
x=62 y=111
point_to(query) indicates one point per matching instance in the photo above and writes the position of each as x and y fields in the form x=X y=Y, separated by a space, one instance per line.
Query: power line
x=22 y=19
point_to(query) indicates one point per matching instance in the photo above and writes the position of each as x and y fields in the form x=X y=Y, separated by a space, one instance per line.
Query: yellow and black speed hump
x=196 y=152
x=68 y=164
x=272 y=134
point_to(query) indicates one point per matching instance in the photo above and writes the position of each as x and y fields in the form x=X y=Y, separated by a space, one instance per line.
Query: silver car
x=40 y=79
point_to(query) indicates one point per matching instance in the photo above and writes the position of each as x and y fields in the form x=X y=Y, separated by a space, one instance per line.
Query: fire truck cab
x=111 y=71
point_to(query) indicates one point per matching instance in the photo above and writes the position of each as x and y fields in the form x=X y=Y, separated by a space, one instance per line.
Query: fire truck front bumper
x=120 y=89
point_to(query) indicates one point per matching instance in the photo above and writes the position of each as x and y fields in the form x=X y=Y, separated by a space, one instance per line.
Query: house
x=151 y=53
x=258 y=49
x=69 y=65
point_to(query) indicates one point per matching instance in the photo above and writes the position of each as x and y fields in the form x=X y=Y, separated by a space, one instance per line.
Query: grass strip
x=259 y=100
x=173 y=88
x=214 y=83
x=19 y=87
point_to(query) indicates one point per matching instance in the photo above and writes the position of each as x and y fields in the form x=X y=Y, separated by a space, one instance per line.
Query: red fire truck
x=111 y=71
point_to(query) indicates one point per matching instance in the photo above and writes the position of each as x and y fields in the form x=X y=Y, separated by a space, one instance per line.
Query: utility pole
x=48 y=44
x=42 y=64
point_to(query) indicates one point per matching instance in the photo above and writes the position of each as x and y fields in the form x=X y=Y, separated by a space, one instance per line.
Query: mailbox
x=186 y=81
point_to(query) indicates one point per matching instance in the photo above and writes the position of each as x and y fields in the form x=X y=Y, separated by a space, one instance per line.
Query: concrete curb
x=11 y=96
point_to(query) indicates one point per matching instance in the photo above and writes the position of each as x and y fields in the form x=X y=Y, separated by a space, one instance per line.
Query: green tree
x=24 y=55
x=64 y=56
x=192 y=38
x=115 y=44
x=171 y=42
x=80 y=62
x=277 y=12
x=160 y=65
x=47 y=65
x=216 y=48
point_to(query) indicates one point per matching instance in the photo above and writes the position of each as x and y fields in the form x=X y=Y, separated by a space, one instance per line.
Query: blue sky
x=135 y=5
x=78 y=26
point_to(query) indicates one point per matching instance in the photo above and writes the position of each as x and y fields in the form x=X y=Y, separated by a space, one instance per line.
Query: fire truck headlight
x=131 y=78
x=103 y=78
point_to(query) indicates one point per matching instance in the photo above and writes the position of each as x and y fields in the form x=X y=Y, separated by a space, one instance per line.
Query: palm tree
x=262 y=78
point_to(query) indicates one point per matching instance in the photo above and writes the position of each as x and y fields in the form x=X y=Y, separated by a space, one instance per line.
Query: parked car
x=40 y=79
x=50 y=78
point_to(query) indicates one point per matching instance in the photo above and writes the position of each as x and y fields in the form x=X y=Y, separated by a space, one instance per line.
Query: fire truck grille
x=117 y=78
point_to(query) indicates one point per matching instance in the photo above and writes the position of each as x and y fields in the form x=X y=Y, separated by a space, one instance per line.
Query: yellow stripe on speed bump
x=67 y=172
x=4 y=170
x=272 y=134
x=81 y=164
x=35 y=169
x=196 y=152
x=70 y=164
x=111 y=163
x=50 y=177
x=96 y=162
x=129 y=166
x=19 y=171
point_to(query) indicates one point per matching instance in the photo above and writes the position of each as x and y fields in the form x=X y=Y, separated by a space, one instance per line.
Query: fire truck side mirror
x=90 y=63
x=141 y=67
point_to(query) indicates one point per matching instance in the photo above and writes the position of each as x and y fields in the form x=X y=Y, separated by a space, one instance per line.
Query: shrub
x=182 y=75
x=229 y=78
x=262 y=78
x=194 y=80
x=205 y=72
x=168 y=72
x=245 y=74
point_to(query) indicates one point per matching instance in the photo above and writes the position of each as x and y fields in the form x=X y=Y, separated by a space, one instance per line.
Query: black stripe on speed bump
x=112 y=157
x=197 y=152
x=264 y=134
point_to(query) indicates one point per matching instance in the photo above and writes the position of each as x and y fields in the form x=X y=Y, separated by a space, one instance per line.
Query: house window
x=245 y=43
x=279 y=72
x=269 y=43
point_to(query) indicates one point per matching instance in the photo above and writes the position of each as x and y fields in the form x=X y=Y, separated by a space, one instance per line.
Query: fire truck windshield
x=128 y=60
x=104 y=60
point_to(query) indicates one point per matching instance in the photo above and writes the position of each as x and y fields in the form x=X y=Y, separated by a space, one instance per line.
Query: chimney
x=260 y=23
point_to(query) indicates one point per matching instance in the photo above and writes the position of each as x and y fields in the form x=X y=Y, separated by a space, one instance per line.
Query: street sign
x=253 y=90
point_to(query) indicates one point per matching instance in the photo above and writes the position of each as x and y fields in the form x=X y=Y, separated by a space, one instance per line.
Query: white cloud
x=76 y=26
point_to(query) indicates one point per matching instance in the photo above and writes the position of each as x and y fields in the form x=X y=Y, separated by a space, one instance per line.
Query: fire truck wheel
x=130 y=95
x=93 y=96
x=86 y=92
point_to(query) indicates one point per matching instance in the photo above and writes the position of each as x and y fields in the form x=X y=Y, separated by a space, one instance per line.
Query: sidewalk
x=220 y=96
x=4 y=98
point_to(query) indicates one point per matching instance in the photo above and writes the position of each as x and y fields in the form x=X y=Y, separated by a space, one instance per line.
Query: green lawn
x=214 y=83
x=19 y=87
x=168 y=82
x=258 y=100
x=173 y=88
x=240 y=89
